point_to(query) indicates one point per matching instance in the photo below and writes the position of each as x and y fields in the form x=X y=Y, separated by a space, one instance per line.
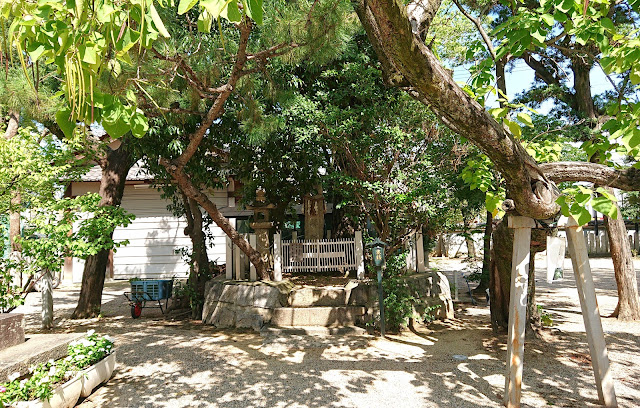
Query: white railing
x=310 y=256
x=319 y=255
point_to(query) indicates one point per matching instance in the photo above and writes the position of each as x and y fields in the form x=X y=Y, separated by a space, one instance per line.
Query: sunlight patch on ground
x=379 y=389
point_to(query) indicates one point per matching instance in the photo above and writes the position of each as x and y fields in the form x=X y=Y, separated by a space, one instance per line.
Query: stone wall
x=243 y=304
x=11 y=329
x=430 y=288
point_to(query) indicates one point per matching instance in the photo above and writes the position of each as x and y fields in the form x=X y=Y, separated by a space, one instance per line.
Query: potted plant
x=59 y=384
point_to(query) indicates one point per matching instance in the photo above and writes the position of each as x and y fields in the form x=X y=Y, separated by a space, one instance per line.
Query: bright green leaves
x=186 y=5
x=479 y=174
x=544 y=151
x=84 y=40
x=575 y=202
x=155 y=17
x=212 y=10
x=67 y=125
x=254 y=10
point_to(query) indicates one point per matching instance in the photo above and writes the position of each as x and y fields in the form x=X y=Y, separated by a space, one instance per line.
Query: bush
x=398 y=301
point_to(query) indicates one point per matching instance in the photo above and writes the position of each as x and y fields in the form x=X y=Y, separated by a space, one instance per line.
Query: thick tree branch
x=217 y=108
x=624 y=179
x=390 y=31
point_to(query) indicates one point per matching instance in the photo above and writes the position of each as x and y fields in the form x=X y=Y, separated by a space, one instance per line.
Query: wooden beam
x=517 y=308
x=591 y=316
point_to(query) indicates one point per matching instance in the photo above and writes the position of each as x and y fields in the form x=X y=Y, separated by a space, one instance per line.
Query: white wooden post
x=420 y=252
x=294 y=236
x=517 y=308
x=253 y=276
x=359 y=255
x=277 y=257
x=591 y=314
x=229 y=259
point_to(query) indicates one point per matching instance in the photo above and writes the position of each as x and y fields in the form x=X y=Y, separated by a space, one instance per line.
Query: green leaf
x=35 y=51
x=608 y=24
x=634 y=75
x=158 y=22
x=115 y=120
x=186 y=5
x=605 y=206
x=139 y=124
x=514 y=128
x=548 y=19
x=254 y=10
x=63 y=118
x=525 y=118
x=88 y=54
x=231 y=12
x=214 y=7
x=582 y=215
x=499 y=113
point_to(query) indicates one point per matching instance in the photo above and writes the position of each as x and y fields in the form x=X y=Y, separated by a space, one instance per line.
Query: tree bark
x=115 y=166
x=500 y=277
x=185 y=184
x=628 y=307
x=199 y=272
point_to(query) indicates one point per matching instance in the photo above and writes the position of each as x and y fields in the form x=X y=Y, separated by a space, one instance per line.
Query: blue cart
x=148 y=290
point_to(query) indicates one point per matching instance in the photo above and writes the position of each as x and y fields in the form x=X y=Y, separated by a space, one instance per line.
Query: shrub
x=398 y=301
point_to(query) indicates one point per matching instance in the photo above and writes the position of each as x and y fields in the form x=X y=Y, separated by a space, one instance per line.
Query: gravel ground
x=181 y=363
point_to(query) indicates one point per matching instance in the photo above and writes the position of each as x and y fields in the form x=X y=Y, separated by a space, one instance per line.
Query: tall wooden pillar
x=517 y=308
x=591 y=314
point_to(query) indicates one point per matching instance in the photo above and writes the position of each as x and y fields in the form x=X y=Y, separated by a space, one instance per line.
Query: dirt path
x=164 y=363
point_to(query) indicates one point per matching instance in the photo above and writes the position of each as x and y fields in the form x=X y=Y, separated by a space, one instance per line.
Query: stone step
x=328 y=316
x=269 y=331
x=323 y=296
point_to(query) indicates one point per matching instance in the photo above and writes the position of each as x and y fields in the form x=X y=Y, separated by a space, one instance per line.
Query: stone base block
x=11 y=329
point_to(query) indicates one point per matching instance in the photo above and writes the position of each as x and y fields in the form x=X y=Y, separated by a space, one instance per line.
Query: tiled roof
x=136 y=173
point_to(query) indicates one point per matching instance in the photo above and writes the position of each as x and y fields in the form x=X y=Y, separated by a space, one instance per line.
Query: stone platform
x=254 y=305
x=11 y=329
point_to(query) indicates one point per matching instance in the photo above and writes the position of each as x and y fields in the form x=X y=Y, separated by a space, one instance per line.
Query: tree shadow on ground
x=165 y=363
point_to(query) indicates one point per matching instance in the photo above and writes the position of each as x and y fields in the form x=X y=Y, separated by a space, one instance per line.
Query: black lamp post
x=377 y=254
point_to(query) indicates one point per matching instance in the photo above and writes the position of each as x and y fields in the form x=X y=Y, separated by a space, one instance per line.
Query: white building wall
x=155 y=237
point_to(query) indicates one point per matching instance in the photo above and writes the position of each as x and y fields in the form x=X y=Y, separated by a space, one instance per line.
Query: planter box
x=97 y=374
x=64 y=396
x=83 y=384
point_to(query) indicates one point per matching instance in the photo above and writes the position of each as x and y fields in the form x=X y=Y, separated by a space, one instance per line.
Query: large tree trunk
x=409 y=63
x=628 y=307
x=500 y=277
x=200 y=271
x=115 y=166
